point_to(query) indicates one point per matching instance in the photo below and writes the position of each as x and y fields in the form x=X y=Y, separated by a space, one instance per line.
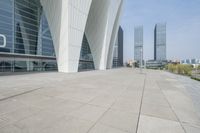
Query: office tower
x=118 y=49
x=116 y=55
x=121 y=46
x=160 y=41
x=138 y=43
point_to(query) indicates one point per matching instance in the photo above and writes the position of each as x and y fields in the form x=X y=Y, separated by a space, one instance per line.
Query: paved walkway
x=114 y=101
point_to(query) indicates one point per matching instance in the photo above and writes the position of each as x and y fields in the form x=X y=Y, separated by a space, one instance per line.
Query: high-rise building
x=138 y=43
x=160 y=41
x=118 y=49
x=63 y=35
x=121 y=46
x=116 y=55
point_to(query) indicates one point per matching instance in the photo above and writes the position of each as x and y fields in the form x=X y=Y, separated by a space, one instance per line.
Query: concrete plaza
x=113 y=101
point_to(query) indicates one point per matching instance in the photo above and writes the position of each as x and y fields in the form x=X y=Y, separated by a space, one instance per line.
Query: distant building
x=160 y=41
x=188 y=61
x=138 y=43
x=155 y=64
x=182 y=61
x=194 y=61
x=121 y=46
x=174 y=62
x=198 y=61
x=191 y=61
x=118 y=49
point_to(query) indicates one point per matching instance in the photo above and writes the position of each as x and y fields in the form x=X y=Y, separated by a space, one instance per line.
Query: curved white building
x=72 y=24
x=70 y=19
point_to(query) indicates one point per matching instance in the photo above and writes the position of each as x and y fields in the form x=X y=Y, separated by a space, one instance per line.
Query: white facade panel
x=116 y=11
x=70 y=19
x=96 y=30
x=75 y=37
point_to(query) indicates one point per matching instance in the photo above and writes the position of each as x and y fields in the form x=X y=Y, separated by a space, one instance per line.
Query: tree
x=198 y=67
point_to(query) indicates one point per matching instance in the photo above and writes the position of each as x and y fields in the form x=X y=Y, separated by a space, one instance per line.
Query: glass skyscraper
x=118 y=49
x=121 y=46
x=160 y=42
x=25 y=31
x=115 y=55
x=138 y=43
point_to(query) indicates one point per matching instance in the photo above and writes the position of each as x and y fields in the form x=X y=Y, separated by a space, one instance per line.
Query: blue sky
x=183 y=26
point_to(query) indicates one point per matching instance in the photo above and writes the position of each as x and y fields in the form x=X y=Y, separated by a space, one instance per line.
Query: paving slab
x=158 y=111
x=122 y=120
x=191 y=129
x=100 y=128
x=89 y=112
x=114 y=101
x=156 y=125
x=69 y=125
x=11 y=129
x=38 y=122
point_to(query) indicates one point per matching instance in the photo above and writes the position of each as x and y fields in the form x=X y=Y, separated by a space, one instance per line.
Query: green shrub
x=166 y=67
x=198 y=67
x=195 y=78
x=187 y=70
x=172 y=68
x=180 y=69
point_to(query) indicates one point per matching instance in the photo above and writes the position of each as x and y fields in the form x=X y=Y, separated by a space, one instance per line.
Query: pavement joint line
x=16 y=95
x=144 y=85
x=107 y=111
x=114 y=127
x=155 y=82
x=41 y=110
x=100 y=118
x=160 y=117
x=191 y=91
x=172 y=108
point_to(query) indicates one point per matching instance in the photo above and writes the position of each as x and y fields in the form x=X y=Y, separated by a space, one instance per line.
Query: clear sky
x=183 y=26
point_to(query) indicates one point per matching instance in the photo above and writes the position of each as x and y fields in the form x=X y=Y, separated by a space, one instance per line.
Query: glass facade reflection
x=118 y=49
x=160 y=42
x=138 y=43
x=86 y=60
x=6 y=24
x=29 y=45
x=115 y=55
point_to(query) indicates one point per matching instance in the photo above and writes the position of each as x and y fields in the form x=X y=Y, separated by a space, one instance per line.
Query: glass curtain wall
x=6 y=25
x=160 y=42
x=115 y=55
x=27 y=22
x=86 y=62
x=25 y=27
